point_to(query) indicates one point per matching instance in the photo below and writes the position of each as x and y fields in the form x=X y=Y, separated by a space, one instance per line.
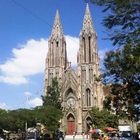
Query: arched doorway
x=70 y=124
x=88 y=124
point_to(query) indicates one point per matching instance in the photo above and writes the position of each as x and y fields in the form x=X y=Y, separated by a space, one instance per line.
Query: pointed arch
x=69 y=92
x=84 y=44
x=89 y=44
x=70 y=124
x=88 y=123
x=88 y=97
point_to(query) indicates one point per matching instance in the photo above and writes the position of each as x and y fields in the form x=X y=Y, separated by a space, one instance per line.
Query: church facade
x=80 y=89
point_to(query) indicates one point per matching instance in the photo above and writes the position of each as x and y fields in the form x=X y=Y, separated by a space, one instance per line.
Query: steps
x=77 y=137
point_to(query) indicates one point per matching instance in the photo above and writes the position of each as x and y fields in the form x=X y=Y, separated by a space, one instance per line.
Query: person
x=100 y=137
x=74 y=135
x=115 y=137
x=106 y=137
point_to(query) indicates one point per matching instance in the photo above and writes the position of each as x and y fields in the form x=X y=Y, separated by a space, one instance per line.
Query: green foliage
x=103 y=118
x=123 y=72
x=52 y=106
x=52 y=97
x=15 y=119
x=138 y=127
x=123 y=20
x=107 y=102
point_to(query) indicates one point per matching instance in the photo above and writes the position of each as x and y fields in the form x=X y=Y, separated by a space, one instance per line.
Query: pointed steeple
x=57 y=27
x=87 y=22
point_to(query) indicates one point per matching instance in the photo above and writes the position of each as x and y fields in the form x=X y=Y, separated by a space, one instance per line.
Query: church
x=80 y=89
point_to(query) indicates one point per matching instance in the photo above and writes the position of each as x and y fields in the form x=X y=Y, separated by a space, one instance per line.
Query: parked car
x=32 y=134
x=126 y=135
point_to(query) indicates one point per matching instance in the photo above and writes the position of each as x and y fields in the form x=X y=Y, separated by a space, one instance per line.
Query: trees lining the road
x=13 y=120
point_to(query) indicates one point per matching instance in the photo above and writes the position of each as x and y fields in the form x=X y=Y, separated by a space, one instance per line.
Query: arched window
x=84 y=43
x=57 y=54
x=89 y=43
x=88 y=97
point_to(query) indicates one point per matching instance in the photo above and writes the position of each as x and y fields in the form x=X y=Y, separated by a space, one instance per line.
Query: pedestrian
x=115 y=137
x=100 y=137
x=73 y=135
x=106 y=137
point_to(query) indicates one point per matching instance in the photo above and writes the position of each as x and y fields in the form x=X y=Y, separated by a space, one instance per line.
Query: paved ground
x=77 y=137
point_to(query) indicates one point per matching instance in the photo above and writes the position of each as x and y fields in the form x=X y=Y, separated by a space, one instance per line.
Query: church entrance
x=88 y=124
x=70 y=124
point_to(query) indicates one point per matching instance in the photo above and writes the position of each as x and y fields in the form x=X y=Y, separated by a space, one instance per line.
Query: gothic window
x=88 y=97
x=84 y=43
x=57 y=44
x=90 y=74
x=56 y=53
x=83 y=74
x=52 y=55
x=89 y=38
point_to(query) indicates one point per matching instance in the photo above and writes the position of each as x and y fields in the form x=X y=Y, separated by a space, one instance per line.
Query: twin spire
x=57 y=27
x=87 y=23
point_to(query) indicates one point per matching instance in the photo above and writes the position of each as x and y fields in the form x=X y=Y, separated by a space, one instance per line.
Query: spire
x=87 y=22
x=57 y=27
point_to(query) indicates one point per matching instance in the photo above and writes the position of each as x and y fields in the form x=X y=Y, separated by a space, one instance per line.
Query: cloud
x=102 y=53
x=27 y=93
x=35 y=102
x=29 y=59
x=3 y=106
x=72 y=49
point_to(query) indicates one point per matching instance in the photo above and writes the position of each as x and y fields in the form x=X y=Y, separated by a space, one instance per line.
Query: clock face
x=71 y=101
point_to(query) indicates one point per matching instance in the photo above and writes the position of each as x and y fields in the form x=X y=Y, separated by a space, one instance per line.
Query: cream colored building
x=80 y=90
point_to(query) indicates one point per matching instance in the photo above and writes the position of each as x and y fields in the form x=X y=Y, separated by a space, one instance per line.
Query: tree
x=13 y=120
x=52 y=97
x=52 y=106
x=123 y=72
x=103 y=118
x=122 y=21
x=122 y=66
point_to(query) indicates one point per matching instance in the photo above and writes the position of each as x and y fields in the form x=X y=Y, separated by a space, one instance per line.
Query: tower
x=56 y=61
x=88 y=70
x=80 y=89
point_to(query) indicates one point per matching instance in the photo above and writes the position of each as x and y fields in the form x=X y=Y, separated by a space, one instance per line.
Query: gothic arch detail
x=88 y=97
x=88 y=123
x=70 y=124
x=69 y=92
